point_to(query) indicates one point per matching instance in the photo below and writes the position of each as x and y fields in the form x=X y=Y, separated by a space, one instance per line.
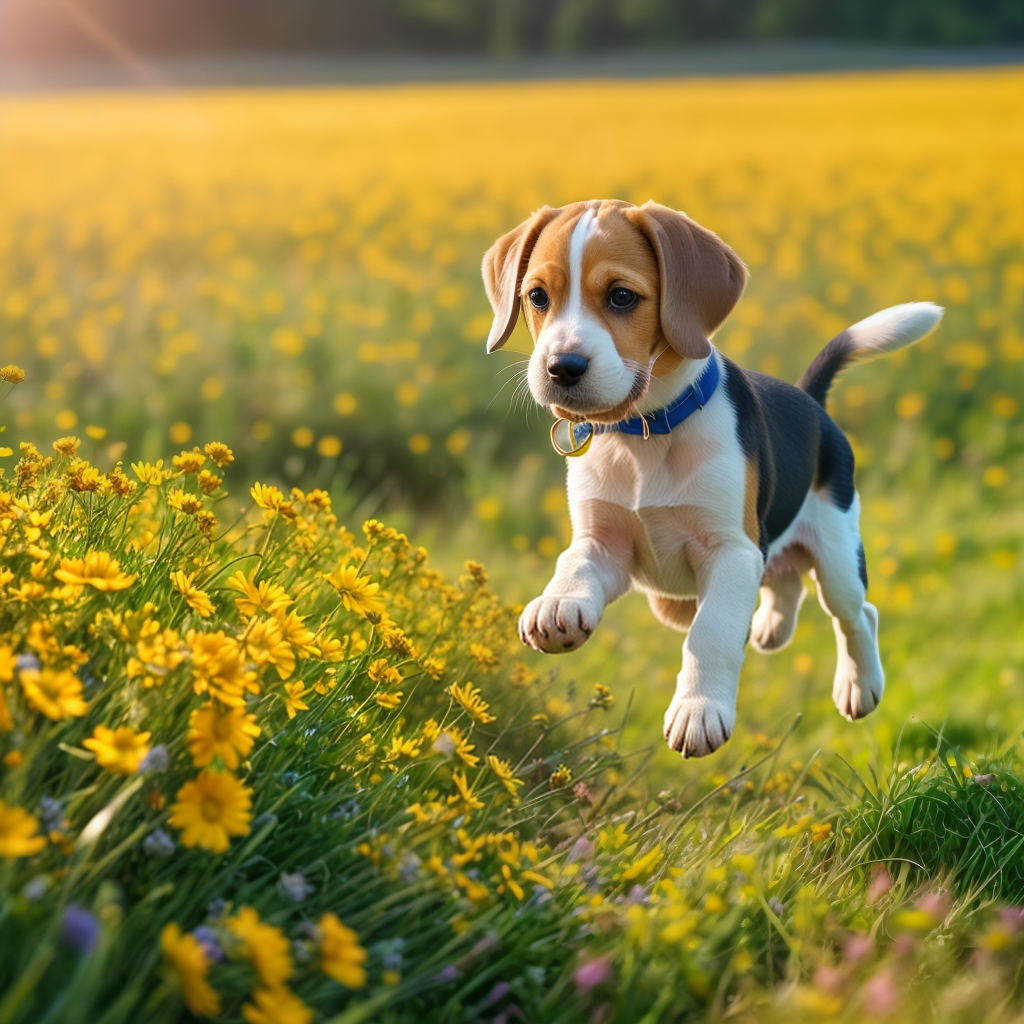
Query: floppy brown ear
x=503 y=269
x=701 y=277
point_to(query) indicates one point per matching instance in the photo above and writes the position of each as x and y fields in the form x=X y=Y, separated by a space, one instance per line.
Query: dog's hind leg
x=841 y=577
x=775 y=619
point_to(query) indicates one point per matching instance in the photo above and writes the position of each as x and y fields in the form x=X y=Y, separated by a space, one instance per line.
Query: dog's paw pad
x=697 y=726
x=855 y=698
x=554 y=625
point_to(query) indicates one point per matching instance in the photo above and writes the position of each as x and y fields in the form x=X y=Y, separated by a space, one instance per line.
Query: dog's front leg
x=702 y=714
x=589 y=576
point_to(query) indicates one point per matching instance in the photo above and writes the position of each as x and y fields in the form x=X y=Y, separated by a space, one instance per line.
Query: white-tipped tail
x=893 y=328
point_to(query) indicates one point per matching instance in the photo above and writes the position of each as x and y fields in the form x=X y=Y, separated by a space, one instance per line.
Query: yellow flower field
x=259 y=766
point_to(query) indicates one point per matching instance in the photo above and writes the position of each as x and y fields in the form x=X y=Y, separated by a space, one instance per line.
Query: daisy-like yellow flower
x=198 y=600
x=119 y=750
x=97 y=569
x=184 y=502
x=208 y=482
x=505 y=774
x=258 y=596
x=12 y=374
x=294 y=631
x=267 y=949
x=219 y=664
x=220 y=453
x=18 y=833
x=403 y=748
x=265 y=644
x=294 y=702
x=227 y=733
x=358 y=593
x=388 y=701
x=189 y=462
x=381 y=672
x=469 y=699
x=56 y=693
x=186 y=955
x=66 y=445
x=276 y=1006
x=212 y=808
x=462 y=748
x=341 y=955
x=152 y=474
x=464 y=794
x=267 y=496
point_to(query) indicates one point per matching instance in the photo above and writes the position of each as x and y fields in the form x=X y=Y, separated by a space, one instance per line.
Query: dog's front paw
x=697 y=725
x=554 y=625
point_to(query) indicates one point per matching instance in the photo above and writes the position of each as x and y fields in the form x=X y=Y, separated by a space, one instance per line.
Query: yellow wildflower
x=358 y=593
x=560 y=777
x=120 y=484
x=276 y=1006
x=468 y=697
x=119 y=750
x=388 y=701
x=265 y=645
x=97 y=569
x=263 y=945
x=182 y=501
x=462 y=748
x=381 y=672
x=210 y=809
x=267 y=497
x=66 y=445
x=294 y=702
x=341 y=955
x=208 y=482
x=198 y=600
x=505 y=774
x=484 y=656
x=189 y=462
x=56 y=693
x=294 y=632
x=219 y=664
x=18 y=833
x=464 y=794
x=400 y=747
x=186 y=955
x=226 y=733
x=434 y=667
x=12 y=374
x=257 y=596
x=154 y=475
x=220 y=453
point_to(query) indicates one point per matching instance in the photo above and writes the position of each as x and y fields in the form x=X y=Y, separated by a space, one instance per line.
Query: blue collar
x=661 y=421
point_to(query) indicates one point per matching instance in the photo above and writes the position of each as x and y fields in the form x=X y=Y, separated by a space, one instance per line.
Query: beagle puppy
x=703 y=485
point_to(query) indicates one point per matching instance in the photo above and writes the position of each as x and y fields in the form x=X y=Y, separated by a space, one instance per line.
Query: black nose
x=567 y=368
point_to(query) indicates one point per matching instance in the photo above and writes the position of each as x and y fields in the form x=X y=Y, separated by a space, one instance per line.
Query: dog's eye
x=622 y=299
x=539 y=298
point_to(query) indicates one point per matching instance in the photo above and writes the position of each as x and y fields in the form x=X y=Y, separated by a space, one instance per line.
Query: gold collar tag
x=580 y=436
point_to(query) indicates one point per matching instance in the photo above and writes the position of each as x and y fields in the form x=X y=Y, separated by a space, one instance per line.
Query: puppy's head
x=606 y=286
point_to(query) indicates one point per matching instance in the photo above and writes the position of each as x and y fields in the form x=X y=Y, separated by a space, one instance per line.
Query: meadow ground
x=269 y=769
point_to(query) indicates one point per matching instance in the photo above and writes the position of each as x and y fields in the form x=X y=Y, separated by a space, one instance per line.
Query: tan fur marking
x=751 y=526
x=675 y=612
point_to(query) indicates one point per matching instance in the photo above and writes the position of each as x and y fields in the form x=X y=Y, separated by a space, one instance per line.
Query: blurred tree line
x=63 y=28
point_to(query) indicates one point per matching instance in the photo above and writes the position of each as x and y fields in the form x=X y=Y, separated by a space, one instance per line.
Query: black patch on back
x=835 y=463
x=779 y=427
x=862 y=566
